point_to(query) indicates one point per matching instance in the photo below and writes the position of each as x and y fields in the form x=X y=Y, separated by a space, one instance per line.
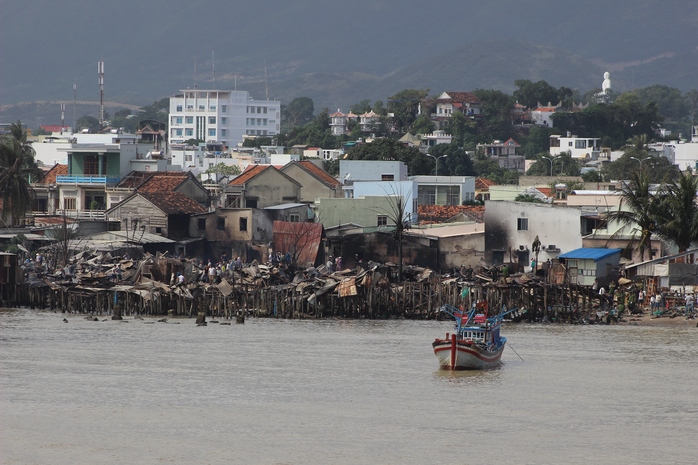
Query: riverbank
x=648 y=320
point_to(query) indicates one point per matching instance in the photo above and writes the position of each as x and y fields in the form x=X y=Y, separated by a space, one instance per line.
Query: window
x=212 y=108
x=190 y=107
x=178 y=120
x=569 y=144
x=220 y=224
x=294 y=218
x=187 y=157
x=387 y=177
x=178 y=132
x=158 y=230
x=202 y=108
x=189 y=132
x=580 y=144
x=382 y=220
x=259 y=109
x=243 y=224
x=224 y=108
x=70 y=203
x=211 y=120
x=251 y=203
x=91 y=165
x=179 y=108
x=522 y=224
x=265 y=110
x=212 y=132
x=201 y=223
x=189 y=120
x=224 y=120
x=224 y=132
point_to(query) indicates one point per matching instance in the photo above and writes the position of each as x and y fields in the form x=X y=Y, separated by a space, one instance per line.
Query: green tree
x=404 y=105
x=532 y=93
x=530 y=198
x=636 y=156
x=496 y=114
x=678 y=217
x=299 y=111
x=379 y=108
x=88 y=122
x=362 y=107
x=487 y=168
x=670 y=102
x=692 y=99
x=537 y=141
x=456 y=162
x=638 y=210
x=18 y=170
x=422 y=125
x=221 y=169
x=461 y=128
x=390 y=149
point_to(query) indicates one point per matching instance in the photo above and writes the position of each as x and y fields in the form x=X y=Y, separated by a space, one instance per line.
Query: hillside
x=336 y=52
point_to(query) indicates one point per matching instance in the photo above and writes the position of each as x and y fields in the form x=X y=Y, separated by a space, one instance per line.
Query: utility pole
x=100 y=72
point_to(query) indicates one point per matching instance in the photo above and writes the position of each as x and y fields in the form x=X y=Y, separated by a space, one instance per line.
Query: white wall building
x=445 y=190
x=511 y=228
x=223 y=116
x=405 y=189
x=579 y=147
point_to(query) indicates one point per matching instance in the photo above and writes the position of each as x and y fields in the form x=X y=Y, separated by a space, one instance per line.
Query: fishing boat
x=476 y=343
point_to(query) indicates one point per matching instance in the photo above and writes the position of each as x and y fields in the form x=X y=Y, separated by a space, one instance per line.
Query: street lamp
x=639 y=160
x=436 y=169
x=551 y=164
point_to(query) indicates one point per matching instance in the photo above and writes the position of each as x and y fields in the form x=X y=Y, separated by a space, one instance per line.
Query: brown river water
x=340 y=392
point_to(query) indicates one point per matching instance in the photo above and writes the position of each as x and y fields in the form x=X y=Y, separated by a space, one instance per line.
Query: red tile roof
x=250 y=172
x=483 y=184
x=53 y=127
x=173 y=203
x=429 y=214
x=463 y=97
x=56 y=170
x=314 y=170
x=546 y=191
x=163 y=182
x=141 y=180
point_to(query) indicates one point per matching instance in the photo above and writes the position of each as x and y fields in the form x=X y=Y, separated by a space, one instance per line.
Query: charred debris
x=99 y=283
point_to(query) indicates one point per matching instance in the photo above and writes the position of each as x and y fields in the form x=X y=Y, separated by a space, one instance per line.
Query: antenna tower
x=75 y=102
x=100 y=72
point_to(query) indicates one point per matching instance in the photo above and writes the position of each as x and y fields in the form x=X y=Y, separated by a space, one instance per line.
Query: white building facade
x=223 y=116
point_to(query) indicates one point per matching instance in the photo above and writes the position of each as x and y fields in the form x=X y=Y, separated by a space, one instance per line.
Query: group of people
x=212 y=273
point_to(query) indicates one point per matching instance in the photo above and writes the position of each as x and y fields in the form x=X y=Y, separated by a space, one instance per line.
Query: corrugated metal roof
x=303 y=238
x=590 y=253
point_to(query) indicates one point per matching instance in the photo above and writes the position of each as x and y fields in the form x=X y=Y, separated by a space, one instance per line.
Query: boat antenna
x=507 y=343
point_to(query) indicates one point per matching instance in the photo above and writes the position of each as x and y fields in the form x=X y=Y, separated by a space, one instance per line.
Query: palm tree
x=637 y=146
x=642 y=209
x=678 y=220
x=17 y=170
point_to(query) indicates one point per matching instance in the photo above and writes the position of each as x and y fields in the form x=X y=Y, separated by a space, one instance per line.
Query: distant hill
x=337 y=52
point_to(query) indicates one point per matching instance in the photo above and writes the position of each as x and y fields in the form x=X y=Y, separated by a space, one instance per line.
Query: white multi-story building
x=579 y=147
x=223 y=116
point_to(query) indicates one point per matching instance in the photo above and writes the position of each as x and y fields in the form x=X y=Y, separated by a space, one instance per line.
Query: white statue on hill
x=606 y=85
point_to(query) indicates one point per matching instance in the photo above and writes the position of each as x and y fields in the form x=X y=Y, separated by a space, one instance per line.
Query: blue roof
x=590 y=253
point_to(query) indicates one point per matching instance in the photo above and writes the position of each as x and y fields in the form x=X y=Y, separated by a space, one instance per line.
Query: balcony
x=94 y=180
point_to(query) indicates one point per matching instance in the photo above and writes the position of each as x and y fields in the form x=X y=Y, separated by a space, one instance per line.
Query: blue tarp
x=589 y=253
